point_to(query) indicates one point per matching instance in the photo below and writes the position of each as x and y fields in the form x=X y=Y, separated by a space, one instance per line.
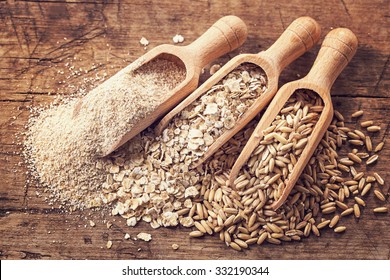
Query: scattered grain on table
x=144 y=42
x=144 y=236
x=178 y=39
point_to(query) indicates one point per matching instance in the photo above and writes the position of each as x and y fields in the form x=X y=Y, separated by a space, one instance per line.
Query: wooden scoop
x=227 y=34
x=302 y=34
x=337 y=50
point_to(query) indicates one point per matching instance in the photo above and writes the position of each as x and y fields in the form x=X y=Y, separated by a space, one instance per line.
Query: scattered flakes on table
x=178 y=39
x=144 y=42
x=144 y=236
x=127 y=236
x=175 y=246
x=92 y=223
x=131 y=222
x=109 y=244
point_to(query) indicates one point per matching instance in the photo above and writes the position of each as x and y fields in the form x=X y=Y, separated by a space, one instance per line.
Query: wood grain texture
x=39 y=38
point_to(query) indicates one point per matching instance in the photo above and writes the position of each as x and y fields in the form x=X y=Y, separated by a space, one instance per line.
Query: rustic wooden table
x=41 y=41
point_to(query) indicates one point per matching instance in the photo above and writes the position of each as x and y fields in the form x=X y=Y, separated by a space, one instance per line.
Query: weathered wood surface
x=38 y=39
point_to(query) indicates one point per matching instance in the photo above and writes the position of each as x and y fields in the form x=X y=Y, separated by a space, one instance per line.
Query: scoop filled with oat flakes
x=136 y=96
x=294 y=123
x=237 y=92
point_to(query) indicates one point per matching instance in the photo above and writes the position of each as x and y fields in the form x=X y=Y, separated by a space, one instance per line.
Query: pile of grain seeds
x=329 y=189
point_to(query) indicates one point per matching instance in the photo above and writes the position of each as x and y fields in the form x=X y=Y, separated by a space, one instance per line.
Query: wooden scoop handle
x=227 y=34
x=300 y=36
x=337 y=49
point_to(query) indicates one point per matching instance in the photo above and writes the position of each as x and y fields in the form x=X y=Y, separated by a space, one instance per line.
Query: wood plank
x=41 y=41
x=93 y=26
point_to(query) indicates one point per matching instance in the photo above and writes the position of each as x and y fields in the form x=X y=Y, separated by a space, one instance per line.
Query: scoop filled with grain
x=136 y=96
x=295 y=121
x=248 y=82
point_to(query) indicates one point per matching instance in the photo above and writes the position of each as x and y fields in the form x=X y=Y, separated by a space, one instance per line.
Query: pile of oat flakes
x=157 y=185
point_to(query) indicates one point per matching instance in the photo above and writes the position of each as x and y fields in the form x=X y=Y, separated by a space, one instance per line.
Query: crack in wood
x=381 y=76
x=345 y=8
x=361 y=96
x=34 y=211
x=33 y=255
